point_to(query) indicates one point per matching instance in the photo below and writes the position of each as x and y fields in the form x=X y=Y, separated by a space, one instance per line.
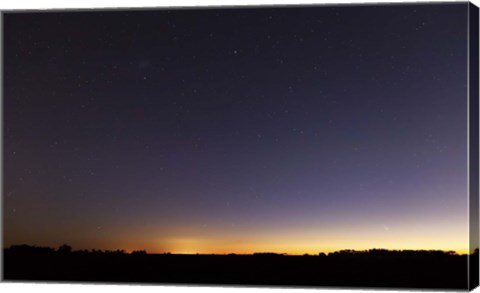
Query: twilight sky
x=293 y=130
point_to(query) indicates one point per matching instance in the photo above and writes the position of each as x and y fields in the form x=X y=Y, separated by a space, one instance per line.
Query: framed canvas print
x=310 y=146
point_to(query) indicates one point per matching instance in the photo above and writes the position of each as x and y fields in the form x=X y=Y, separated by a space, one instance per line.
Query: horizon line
x=130 y=251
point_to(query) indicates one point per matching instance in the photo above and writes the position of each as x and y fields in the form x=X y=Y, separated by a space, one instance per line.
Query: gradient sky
x=293 y=130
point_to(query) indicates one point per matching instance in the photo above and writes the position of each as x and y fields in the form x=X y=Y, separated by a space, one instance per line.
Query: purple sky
x=237 y=130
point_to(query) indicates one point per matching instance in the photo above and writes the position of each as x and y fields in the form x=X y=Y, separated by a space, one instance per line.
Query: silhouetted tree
x=118 y=251
x=267 y=254
x=23 y=248
x=64 y=249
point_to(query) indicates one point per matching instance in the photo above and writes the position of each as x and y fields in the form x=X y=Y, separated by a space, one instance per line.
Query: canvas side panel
x=473 y=144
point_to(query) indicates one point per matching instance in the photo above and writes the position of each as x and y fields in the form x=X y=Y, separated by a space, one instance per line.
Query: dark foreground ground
x=397 y=270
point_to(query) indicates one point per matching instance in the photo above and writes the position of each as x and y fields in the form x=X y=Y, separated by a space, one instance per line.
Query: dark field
x=373 y=269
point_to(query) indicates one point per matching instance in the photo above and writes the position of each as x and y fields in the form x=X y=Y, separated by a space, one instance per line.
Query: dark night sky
x=237 y=130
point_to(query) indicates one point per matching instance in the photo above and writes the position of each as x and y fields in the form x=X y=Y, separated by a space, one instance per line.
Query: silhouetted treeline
x=379 y=268
x=30 y=249
x=385 y=252
x=63 y=249
x=268 y=254
x=346 y=252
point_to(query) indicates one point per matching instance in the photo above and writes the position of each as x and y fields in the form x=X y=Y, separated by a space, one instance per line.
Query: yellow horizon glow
x=302 y=245
x=460 y=251
x=309 y=241
x=430 y=233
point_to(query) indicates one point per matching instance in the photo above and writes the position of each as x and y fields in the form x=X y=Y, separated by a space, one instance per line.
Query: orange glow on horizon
x=298 y=246
x=187 y=238
x=459 y=251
